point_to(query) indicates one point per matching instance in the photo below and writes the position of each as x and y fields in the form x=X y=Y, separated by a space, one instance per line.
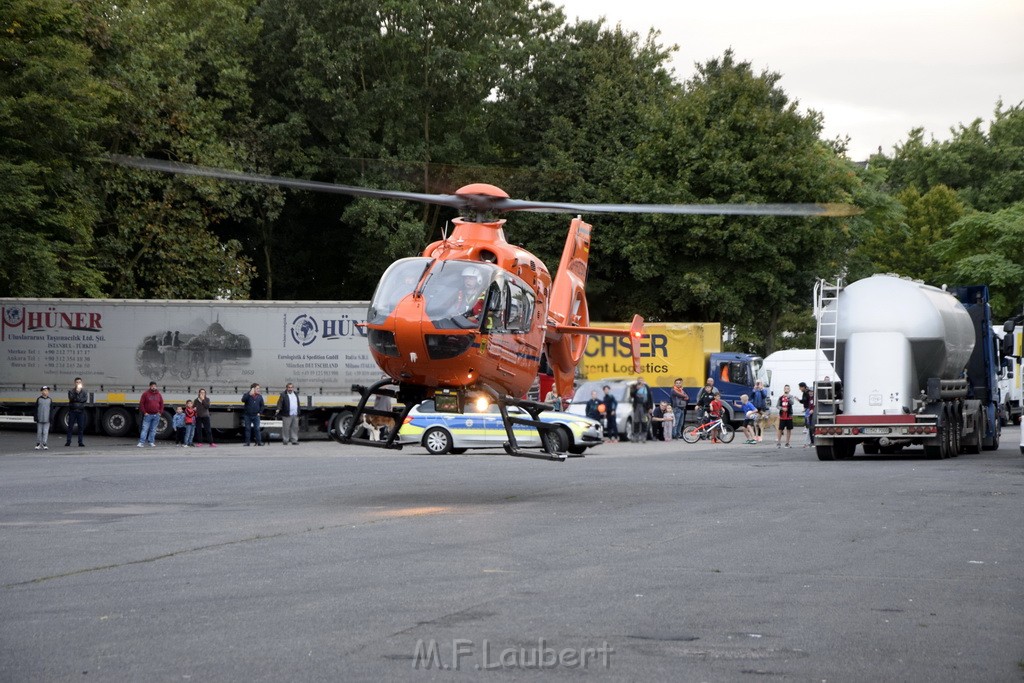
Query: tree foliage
x=989 y=248
x=181 y=73
x=428 y=95
x=734 y=136
x=52 y=112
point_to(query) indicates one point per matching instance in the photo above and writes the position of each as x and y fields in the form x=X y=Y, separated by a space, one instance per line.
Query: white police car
x=481 y=427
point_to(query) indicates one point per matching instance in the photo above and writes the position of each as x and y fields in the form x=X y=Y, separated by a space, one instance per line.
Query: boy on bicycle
x=716 y=409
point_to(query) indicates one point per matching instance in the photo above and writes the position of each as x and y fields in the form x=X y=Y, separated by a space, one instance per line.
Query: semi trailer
x=919 y=366
x=118 y=346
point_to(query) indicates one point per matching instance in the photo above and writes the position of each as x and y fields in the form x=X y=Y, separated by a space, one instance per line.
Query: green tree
x=345 y=83
x=904 y=246
x=735 y=136
x=181 y=72
x=52 y=112
x=989 y=248
x=576 y=117
x=985 y=167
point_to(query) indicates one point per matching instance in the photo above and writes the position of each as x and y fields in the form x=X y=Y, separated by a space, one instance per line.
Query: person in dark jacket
x=202 y=405
x=705 y=396
x=611 y=427
x=44 y=405
x=593 y=409
x=254 y=404
x=643 y=406
x=77 y=398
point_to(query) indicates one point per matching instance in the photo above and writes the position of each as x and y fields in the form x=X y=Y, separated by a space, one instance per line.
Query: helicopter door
x=495 y=320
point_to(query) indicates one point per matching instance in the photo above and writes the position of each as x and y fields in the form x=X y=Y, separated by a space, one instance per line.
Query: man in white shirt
x=288 y=410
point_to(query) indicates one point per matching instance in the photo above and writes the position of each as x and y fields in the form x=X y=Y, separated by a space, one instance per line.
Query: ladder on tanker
x=826 y=310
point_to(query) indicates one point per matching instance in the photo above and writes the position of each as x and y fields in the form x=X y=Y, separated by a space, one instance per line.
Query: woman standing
x=202 y=406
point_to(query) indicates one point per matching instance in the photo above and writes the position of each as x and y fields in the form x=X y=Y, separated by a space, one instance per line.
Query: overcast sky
x=873 y=68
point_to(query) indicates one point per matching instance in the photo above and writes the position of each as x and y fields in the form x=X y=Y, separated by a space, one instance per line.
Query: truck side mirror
x=1006 y=345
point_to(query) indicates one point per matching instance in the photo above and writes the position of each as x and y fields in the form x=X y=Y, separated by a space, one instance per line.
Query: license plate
x=875 y=430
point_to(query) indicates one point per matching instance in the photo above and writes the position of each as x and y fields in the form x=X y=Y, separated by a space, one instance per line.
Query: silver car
x=619 y=388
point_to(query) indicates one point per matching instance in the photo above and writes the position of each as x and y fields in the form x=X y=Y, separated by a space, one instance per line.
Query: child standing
x=43 y=406
x=179 y=426
x=190 y=423
x=715 y=408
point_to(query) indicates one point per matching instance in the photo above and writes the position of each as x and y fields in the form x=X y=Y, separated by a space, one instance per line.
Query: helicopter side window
x=495 y=319
x=520 y=308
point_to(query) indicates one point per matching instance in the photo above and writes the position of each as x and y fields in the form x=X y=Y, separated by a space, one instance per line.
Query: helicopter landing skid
x=398 y=415
x=552 y=445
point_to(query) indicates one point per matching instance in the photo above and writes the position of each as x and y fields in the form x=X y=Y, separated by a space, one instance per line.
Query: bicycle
x=726 y=433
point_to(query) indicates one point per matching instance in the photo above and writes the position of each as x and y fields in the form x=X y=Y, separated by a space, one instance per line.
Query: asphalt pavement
x=658 y=561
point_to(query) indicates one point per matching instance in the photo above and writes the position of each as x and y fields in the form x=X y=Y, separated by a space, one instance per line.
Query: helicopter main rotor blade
x=180 y=168
x=686 y=209
x=487 y=202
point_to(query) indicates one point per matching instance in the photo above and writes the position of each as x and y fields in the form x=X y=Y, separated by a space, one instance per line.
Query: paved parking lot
x=650 y=562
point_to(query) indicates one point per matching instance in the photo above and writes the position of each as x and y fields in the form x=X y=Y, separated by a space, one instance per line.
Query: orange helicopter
x=473 y=314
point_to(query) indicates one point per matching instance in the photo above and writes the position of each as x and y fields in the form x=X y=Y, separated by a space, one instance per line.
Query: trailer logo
x=304 y=330
x=13 y=316
x=17 y=318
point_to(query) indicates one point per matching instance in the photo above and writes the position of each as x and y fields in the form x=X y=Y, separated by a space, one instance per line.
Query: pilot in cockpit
x=469 y=301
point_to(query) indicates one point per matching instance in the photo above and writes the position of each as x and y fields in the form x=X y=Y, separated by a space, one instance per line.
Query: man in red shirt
x=151 y=405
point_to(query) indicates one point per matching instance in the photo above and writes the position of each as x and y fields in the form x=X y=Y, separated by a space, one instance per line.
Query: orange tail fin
x=569 y=316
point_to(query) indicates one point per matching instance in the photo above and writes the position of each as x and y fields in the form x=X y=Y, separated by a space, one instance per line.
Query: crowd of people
x=666 y=420
x=189 y=420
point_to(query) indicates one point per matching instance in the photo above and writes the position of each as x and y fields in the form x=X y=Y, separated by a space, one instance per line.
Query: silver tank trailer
x=893 y=335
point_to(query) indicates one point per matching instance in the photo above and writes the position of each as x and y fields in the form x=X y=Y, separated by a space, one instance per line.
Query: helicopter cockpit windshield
x=398 y=282
x=456 y=293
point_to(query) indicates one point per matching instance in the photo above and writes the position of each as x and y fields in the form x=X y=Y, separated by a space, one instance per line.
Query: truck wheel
x=337 y=425
x=958 y=435
x=340 y=423
x=116 y=422
x=992 y=445
x=165 y=427
x=843 y=450
x=825 y=453
x=61 y=420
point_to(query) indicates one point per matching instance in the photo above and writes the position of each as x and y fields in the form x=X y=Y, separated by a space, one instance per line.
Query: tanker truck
x=119 y=346
x=919 y=367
